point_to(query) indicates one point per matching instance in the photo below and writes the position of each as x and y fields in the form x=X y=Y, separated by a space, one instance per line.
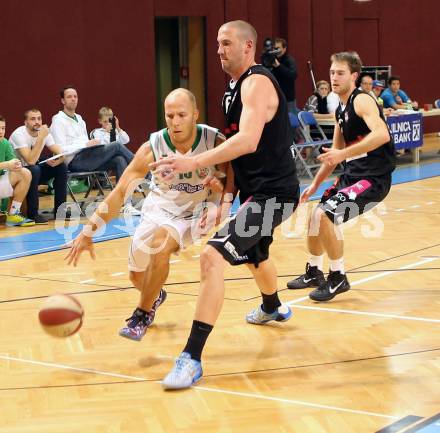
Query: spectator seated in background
x=378 y=87
x=14 y=180
x=107 y=133
x=366 y=85
x=69 y=130
x=394 y=97
x=29 y=141
x=317 y=103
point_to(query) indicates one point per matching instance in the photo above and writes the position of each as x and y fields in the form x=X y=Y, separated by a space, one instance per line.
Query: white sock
x=337 y=265
x=317 y=261
x=15 y=207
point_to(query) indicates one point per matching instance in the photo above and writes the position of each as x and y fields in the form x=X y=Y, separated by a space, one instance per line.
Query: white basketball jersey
x=182 y=195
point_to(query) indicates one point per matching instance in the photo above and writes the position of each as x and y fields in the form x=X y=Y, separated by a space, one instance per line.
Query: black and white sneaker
x=336 y=283
x=312 y=278
x=40 y=219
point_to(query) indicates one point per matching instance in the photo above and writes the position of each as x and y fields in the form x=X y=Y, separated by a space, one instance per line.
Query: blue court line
x=52 y=240
x=430 y=425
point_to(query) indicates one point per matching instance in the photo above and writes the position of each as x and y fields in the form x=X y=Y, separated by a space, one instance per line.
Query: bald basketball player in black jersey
x=258 y=144
x=362 y=142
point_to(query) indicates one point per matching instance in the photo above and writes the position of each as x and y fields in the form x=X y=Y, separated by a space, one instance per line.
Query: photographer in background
x=283 y=67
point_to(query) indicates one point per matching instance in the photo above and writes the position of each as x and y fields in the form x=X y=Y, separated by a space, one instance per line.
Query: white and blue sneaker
x=259 y=317
x=185 y=373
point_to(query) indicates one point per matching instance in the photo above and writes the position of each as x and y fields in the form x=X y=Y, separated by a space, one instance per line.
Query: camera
x=112 y=121
x=269 y=54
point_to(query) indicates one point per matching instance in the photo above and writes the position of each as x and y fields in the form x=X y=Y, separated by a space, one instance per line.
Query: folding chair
x=140 y=188
x=297 y=148
x=93 y=179
x=308 y=124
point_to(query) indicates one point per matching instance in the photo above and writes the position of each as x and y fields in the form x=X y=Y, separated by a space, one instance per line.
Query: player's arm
x=136 y=170
x=31 y=155
x=216 y=181
x=367 y=109
x=257 y=92
x=109 y=208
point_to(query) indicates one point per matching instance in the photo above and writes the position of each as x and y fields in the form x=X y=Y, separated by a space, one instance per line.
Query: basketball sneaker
x=259 y=317
x=140 y=320
x=186 y=372
x=18 y=220
x=312 y=278
x=336 y=283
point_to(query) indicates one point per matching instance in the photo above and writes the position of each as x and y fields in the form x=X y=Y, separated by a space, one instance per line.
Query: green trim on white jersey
x=167 y=138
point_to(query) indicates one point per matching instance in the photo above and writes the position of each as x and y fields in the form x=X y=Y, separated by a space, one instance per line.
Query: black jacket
x=286 y=75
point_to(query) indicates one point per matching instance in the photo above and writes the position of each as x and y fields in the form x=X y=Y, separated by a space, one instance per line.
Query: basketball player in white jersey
x=170 y=212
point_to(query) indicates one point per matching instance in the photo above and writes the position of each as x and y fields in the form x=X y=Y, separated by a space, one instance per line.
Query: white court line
x=421 y=188
x=383 y=274
x=175 y=261
x=297 y=300
x=202 y=388
x=415 y=205
x=90 y=280
x=68 y=367
x=367 y=313
x=297 y=402
x=117 y=274
x=399 y=210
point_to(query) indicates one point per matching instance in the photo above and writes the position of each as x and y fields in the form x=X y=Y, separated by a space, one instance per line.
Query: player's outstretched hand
x=79 y=244
x=331 y=156
x=213 y=183
x=307 y=193
x=167 y=167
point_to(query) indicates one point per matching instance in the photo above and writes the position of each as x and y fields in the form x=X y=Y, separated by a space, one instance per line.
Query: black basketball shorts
x=246 y=238
x=350 y=197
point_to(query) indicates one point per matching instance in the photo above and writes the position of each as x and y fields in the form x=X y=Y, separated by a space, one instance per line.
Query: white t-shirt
x=104 y=136
x=69 y=133
x=332 y=102
x=21 y=138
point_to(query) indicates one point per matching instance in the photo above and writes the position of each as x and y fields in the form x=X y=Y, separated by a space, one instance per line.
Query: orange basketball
x=61 y=315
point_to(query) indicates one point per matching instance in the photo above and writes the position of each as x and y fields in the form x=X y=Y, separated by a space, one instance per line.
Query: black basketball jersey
x=378 y=162
x=269 y=171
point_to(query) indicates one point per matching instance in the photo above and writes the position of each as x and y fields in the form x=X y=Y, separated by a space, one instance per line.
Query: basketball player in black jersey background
x=362 y=142
x=258 y=144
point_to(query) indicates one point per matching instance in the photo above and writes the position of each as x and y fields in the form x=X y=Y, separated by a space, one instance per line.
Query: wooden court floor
x=358 y=363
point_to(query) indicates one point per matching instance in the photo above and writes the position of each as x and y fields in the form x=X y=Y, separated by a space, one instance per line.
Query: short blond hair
x=245 y=30
x=105 y=112
x=182 y=91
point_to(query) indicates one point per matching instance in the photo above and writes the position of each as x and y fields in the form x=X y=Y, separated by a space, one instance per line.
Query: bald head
x=244 y=31
x=179 y=94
